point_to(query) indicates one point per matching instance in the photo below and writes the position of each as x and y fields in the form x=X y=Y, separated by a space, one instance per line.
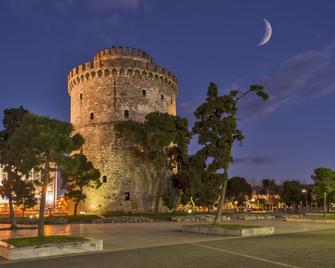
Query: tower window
x=127 y=196
x=126 y=114
x=162 y=97
x=144 y=92
x=91 y=116
x=171 y=101
x=81 y=96
x=104 y=179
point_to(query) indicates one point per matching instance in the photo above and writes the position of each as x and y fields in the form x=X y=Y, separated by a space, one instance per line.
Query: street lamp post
x=305 y=192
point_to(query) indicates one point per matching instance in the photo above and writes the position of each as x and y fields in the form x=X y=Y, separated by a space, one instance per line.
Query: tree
x=195 y=184
x=238 y=189
x=208 y=190
x=307 y=190
x=77 y=174
x=187 y=183
x=181 y=165
x=46 y=143
x=25 y=195
x=157 y=141
x=11 y=121
x=269 y=186
x=292 y=193
x=217 y=131
x=324 y=184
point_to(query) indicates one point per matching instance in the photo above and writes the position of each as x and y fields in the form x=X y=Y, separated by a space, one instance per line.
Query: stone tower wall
x=120 y=81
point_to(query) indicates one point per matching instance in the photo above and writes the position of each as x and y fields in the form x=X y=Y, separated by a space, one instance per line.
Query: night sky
x=200 y=41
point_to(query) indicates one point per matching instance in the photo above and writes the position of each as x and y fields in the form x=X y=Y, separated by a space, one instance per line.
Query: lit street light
x=305 y=192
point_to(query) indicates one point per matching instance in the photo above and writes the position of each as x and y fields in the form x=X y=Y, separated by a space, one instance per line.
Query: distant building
x=51 y=196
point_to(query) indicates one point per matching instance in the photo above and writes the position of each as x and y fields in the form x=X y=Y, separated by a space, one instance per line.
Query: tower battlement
x=123 y=52
x=121 y=61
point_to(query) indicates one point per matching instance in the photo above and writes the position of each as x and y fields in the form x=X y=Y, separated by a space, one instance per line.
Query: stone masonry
x=120 y=84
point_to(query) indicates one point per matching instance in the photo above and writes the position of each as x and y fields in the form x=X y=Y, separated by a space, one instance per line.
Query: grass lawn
x=51 y=219
x=81 y=218
x=321 y=217
x=157 y=217
x=36 y=241
x=154 y=216
x=231 y=226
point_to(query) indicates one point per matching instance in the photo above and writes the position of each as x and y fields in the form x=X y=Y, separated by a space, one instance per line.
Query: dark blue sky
x=200 y=41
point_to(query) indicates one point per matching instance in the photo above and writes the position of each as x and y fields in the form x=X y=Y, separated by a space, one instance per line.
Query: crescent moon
x=268 y=33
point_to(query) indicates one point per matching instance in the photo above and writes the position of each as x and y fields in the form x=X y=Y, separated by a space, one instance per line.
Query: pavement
x=163 y=245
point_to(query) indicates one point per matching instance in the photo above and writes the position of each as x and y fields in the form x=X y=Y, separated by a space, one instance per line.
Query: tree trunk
x=45 y=181
x=324 y=203
x=13 y=224
x=158 y=196
x=160 y=177
x=75 y=208
x=193 y=204
x=222 y=197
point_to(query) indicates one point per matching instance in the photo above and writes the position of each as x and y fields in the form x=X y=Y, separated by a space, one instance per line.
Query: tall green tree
x=192 y=183
x=77 y=174
x=181 y=161
x=269 y=186
x=46 y=143
x=184 y=179
x=216 y=128
x=25 y=195
x=237 y=189
x=196 y=184
x=11 y=163
x=208 y=190
x=292 y=193
x=324 y=184
x=159 y=140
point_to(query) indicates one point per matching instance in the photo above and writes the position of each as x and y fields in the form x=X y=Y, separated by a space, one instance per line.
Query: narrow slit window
x=91 y=116
x=127 y=196
x=162 y=97
x=126 y=114
x=81 y=96
x=104 y=179
x=144 y=92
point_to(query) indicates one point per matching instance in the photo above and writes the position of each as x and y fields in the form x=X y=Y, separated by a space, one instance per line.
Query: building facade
x=120 y=84
x=51 y=197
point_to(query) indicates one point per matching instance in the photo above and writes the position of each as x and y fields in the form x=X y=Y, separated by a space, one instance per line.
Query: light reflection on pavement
x=141 y=235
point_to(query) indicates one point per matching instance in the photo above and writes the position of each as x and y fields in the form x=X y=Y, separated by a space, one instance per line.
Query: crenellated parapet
x=123 y=52
x=121 y=61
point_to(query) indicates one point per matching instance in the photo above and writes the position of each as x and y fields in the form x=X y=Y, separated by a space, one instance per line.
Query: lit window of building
x=34 y=175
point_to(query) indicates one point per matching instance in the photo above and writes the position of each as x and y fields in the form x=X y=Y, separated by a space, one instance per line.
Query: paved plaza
x=163 y=245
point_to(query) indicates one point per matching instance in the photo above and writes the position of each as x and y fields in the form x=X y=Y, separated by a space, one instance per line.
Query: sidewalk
x=143 y=235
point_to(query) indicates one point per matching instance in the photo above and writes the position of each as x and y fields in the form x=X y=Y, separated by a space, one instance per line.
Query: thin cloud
x=258 y=160
x=186 y=109
x=65 y=6
x=22 y=5
x=307 y=75
x=108 y=5
x=310 y=74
